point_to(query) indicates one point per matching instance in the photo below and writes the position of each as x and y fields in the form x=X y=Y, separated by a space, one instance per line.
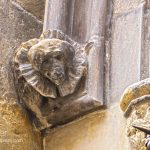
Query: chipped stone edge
x=136 y=102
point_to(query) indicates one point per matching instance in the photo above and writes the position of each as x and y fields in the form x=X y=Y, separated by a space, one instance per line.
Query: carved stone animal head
x=48 y=69
x=52 y=62
x=52 y=58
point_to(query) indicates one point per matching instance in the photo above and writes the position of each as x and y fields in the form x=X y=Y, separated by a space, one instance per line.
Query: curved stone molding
x=134 y=91
x=135 y=102
x=50 y=74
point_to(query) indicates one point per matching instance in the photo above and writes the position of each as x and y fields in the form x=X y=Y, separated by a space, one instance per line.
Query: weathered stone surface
x=145 y=69
x=124 y=6
x=82 y=21
x=60 y=20
x=16 y=131
x=147 y=3
x=135 y=101
x=50 y=75
x=35 y=7
x=16 y=26
x=146 y=47
x=126 y=51
x=79 y=20
x=138 y=115
x=103 y=130
x=134 y=91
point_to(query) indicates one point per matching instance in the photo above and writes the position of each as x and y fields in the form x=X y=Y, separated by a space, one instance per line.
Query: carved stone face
x=52 y=57
x=50 y=72
x=52 y=65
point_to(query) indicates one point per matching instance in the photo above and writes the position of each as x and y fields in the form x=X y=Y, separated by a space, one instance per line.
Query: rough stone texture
x=134 y=91
x=135 y=101
x=16 y=26
x=145 y=69
x=35 y=7
x=138 y=115
x=147 y=3
x=124 y=6
x=99 y=131
x=146 y=60
x=103 y=130
x=16 y=131
x=50 y=75
x=126 y=51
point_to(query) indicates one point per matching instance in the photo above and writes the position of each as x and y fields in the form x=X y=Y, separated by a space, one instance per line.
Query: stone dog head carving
x=52 y=62
x=52 y=58
x=48 y=69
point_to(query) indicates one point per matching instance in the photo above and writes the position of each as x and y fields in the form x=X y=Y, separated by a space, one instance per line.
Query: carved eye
x=46 y=64
x=45 y=61
x=58 y=57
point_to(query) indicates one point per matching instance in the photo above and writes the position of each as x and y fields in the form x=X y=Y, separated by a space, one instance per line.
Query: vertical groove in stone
x=89 y=20
x=145 y=55
x=98 y=17
x=46 y=14
x=144 y=45
x=81 y=22
x=107 y=53
x=71 y=17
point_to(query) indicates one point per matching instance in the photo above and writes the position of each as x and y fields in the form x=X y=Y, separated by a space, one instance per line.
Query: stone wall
x=35 y=7
x=16 y=26
x=16 y=131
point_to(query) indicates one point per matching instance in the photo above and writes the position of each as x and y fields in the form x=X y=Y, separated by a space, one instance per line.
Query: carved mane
x=40 y=83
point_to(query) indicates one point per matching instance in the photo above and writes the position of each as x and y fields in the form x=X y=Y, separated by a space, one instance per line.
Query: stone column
x=89 y=24
x=57 y=15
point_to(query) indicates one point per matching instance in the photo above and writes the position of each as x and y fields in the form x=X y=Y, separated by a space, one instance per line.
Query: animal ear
x=88 y=47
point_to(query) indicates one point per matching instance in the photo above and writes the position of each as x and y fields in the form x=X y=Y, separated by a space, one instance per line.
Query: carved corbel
x=52 y=78
x=135 y=102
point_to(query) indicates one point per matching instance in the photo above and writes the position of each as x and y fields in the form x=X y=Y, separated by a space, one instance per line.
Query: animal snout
x=58 y=74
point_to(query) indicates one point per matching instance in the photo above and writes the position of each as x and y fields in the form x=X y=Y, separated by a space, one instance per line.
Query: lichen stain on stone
x=16 y=130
